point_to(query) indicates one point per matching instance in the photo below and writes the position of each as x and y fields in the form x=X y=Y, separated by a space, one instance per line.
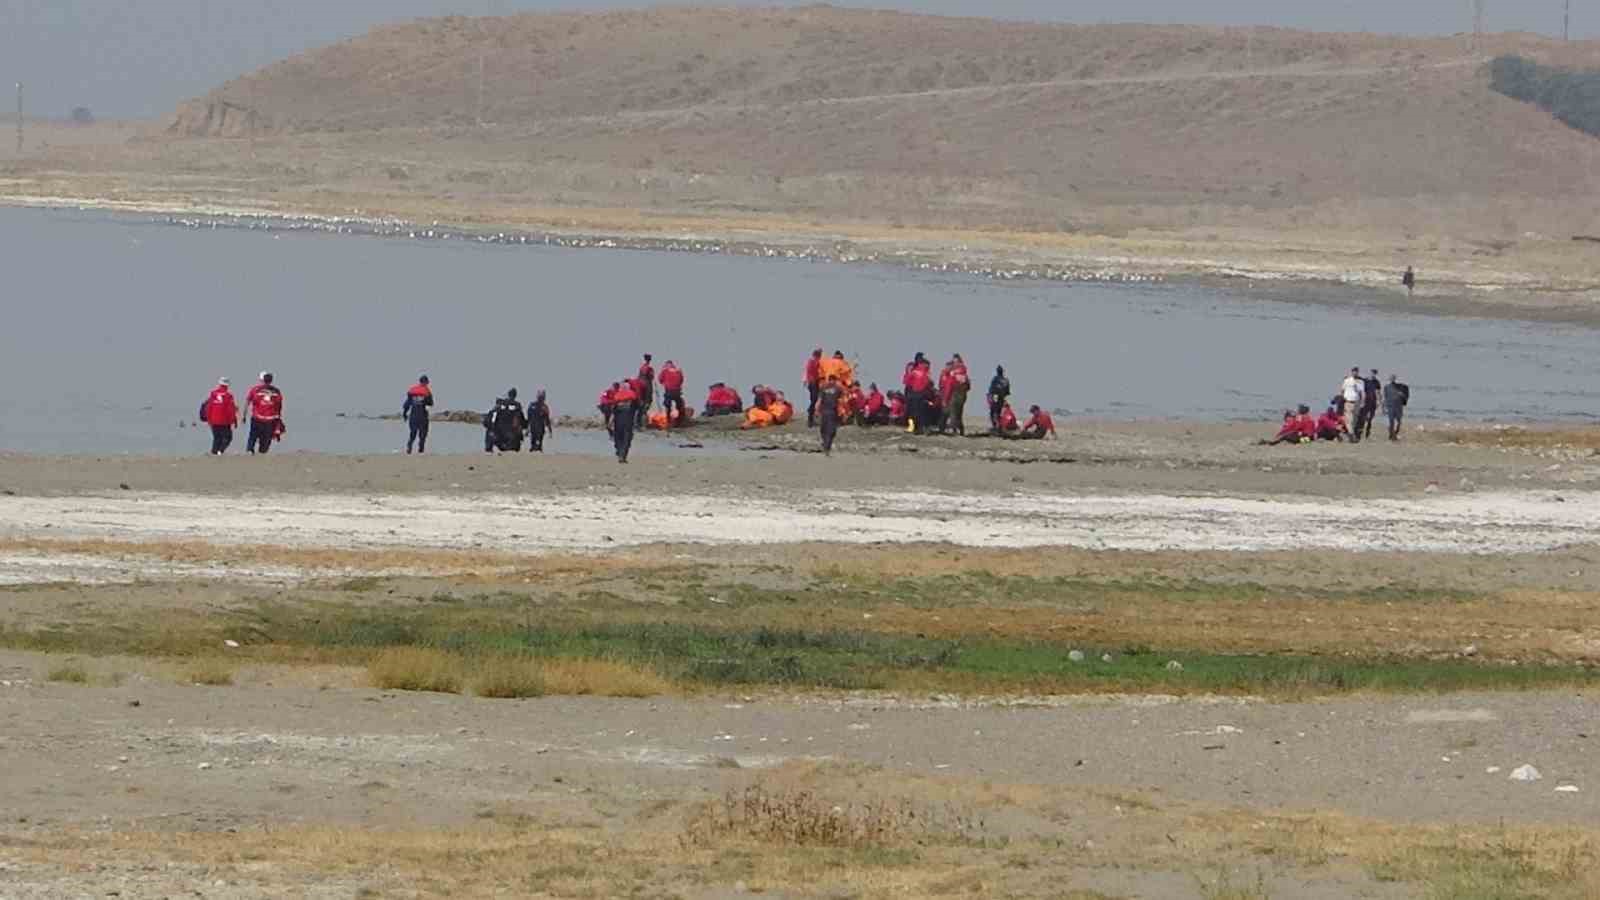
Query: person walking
x=624 y=415
x=955 y=400
x=504 y=424
x=672 y=393
x=999 y=393
x=221 y=412
x=540 y=422
x=828 y=401
x=1352 y=392
x=1371 y=389
x=419 y=398
x=1396 y=394
x=646 y=389
x=265 y=404
x=813 y=383
x=1409 y=279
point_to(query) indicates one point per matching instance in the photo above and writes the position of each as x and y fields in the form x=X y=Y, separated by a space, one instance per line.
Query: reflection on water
x=117 y=327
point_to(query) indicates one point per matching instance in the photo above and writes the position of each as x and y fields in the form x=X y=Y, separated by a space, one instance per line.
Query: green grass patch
x=69 y=672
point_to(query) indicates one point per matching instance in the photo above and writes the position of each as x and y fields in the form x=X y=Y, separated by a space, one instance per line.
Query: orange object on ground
x=756 y=417
x=660 y=421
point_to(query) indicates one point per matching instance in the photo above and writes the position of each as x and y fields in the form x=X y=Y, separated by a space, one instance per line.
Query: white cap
x=223 y=381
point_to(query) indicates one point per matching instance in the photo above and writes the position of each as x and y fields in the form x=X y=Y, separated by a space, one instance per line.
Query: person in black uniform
x=415 y=412
x=1373 y=386
x=999 y=393
x=828 y=412
x=539 y=423
x=624 y=411
x=504 y=425
x=1396 y=394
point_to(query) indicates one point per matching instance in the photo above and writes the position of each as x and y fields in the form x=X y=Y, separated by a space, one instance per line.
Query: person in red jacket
x=672 y=392
x=645 y=387
x=605 y=404
x=1331 y=427
x=221 y=412
x=722 y=400
x=265 y=403
x=1039 y=425
x=874 y=410
x=1008 y=421
x=813 y=383
x=953 y=392
x=897 y=408
x=919 y=392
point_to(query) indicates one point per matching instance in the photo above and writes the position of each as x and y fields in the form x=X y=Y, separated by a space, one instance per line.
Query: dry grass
x=800 y=817
x=421 y=561
x=209 y=671
x=1519 y=438
x=509 y=678
x=69 y=672
x=416 y=669
x=603 y=678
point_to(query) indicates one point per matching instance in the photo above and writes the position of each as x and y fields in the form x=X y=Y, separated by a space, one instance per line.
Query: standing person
x=265 y=403
x=221 y=412
x=540 y=422
x=999 y=393
x=504 y=424
x=415 y=411
x=813 y=383
x=624 y=414
x=1409 y=279
x=828 y=401
x=1371 y=387
x=919 y=388
x=1352 y=392
x=605 y=404
x=672 y=392
x=1396 y=395
x=955 y=401
x=645 y=387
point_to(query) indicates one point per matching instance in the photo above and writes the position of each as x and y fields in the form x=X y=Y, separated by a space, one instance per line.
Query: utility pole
x=478 y=114
x=19 y=120
x=1566 y=21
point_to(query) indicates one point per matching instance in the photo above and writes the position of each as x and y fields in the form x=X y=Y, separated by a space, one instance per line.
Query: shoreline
x=1018 y=258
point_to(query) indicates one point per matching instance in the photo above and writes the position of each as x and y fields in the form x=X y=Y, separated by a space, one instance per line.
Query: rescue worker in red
x=1330 y=426
x=415 y=411
x=953 y=391
x=265 y=404
x=1039 y=425
x=919 y=390
x=672 y=392
x=762 y=396
x=813 y=375
x=221 y=413
x=624 y=414
x=856 y=404
x=605 y=404
x=1007 y=424
x=874 y=409
x=897 y=408
x=722 y=400
x=645 y=387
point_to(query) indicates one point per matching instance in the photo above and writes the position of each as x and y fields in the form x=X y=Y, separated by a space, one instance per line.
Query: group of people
x=1350 y=413
x=504 y=425
x=263 y=408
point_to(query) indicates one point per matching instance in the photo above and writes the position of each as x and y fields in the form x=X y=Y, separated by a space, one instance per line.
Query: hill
x=823 y=116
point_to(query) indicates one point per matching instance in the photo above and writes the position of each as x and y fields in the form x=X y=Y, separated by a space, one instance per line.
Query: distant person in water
x=221 y=412
x=415 y=411
x=1409 y=279
x=540 y=422
x=264 y=403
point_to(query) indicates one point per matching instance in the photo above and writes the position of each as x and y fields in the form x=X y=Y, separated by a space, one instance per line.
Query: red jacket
x=672 y=378
x=918 y=380
x=1042 y=422
x=605 y=398
x=1306 y=425
x=220 y=408
x=874 y=403
x=625 y=394
x=647 y=373
x=897 y=408
x=812 y=366
x=1008 y=419
x=721 y=398
x=265 y=402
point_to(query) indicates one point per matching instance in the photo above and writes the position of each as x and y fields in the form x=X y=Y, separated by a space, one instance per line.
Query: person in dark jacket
x=1372 y=386
x=999 y=393
x=503 y=426
x=625 y=403
x=828 y=412
x=540 y=423
x=415 y=411
x=1395 y=397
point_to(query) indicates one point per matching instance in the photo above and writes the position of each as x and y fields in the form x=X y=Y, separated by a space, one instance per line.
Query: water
x=116 y=328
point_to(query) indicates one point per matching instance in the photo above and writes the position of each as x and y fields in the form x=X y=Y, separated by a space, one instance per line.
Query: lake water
x=116 y=327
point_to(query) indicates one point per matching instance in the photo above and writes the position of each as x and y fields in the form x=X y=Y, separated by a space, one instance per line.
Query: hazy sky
x=141 y=57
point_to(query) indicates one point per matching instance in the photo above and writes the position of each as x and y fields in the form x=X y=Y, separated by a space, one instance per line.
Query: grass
x=416 y=669
x=509 y=678
x=69 y=672
x=1223 y=886
x=509 y=675
x=1517 y=437
x=209 y=671
x=801 y=817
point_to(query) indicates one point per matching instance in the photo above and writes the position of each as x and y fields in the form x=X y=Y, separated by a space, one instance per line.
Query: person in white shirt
x=1353 y=391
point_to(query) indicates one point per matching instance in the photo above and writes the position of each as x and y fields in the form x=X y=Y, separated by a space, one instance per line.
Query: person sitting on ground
x=855 y=405
x=1038 y=427
x=762 y=396
x=1008 y=421
x=898 y=413
x=1294 y=430
x=722 y=400
x=874 y=409
x=1330 y=426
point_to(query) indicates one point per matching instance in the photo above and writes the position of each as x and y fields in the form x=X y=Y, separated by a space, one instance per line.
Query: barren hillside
x=822 y=117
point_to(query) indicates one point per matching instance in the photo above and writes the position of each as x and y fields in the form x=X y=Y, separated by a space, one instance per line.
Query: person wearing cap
x=265 y=403
x=221 y=412
x=540 y=422
x=503 y=425
x=415 y=412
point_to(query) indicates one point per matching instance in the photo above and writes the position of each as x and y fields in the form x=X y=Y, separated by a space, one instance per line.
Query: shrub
x=1571 y=96
x=416 y=669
